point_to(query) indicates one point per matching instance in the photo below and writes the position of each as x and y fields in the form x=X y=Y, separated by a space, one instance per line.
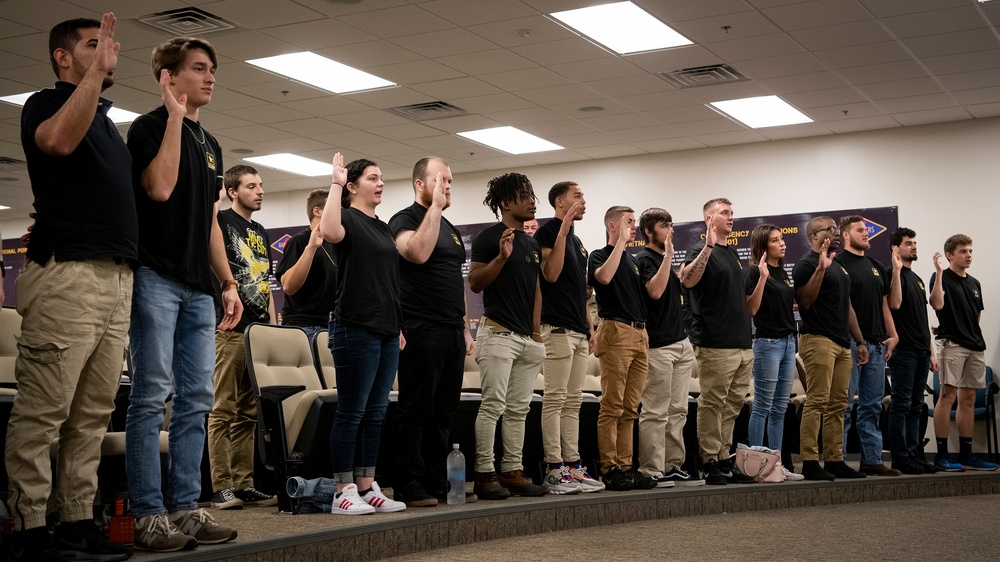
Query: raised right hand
x=339 y=171
x=937 y=262
x=825 y=259
x=623 y=231
x=175 y=106
x=507 y=243
x=106 y=52
x=710 y=236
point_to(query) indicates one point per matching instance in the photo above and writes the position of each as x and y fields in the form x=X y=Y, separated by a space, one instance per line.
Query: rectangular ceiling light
x=321 y=72
x=294 y=164
x=4 y=207
x=117 y=116
x=622 y=27
x=760 y=112
x=511 y=140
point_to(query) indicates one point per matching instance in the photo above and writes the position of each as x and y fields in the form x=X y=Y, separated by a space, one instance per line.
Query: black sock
x=942 y=445
x=363 y=492
x=964 y=448
x=555 y=465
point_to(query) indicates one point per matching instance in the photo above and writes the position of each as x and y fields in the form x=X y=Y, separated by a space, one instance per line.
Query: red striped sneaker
x=348 y=502
x=382 y=504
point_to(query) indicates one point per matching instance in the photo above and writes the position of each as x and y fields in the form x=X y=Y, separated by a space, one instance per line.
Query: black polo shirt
x=174 y=236
x=911 y=322
x=718 y=301
x=829 y=315
x=312 y=304
x=84 y=202
x=959 y=318
x=434 y=290
x=869 y=283
x=665 y=316
x=776 y=317
x=510 y=299
x=564 y=303
x=368 y=291
x=622 y=298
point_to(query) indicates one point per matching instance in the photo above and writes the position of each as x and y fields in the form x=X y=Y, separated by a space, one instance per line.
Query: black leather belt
x=636 y=325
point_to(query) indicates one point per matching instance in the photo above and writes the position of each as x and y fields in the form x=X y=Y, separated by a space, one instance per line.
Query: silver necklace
x=200 y=141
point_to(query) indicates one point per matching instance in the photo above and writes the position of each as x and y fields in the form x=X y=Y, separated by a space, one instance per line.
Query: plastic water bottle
x=456 y=476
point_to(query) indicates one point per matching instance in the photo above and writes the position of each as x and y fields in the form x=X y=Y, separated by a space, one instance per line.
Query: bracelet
x=536 y=333
x=227 y=283
x=336 y=184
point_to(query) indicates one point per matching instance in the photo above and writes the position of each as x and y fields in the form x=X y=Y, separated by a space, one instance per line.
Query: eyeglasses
x=832 y=229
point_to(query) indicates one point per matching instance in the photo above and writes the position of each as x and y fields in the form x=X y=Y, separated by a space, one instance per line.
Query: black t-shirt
x=911 y=317
x=622 y=298
x=775 y=318
x=718 y=301
x=247 y=249
x=368 y=284
x=174 y=236
x=312 y=304
x=958 y=319
x=434 y=290
x=564 y=303
x=869 y=283
x=510 y=299
x=829 y=314
x=84 y=202
x=664 y=315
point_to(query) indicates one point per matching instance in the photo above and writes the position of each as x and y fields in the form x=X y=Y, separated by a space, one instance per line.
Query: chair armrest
x=277 y=393
x=993 y=389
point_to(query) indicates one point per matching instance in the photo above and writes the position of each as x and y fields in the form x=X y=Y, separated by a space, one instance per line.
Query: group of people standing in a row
x=128 y=239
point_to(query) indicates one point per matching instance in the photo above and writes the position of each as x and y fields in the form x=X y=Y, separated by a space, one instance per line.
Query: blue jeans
x=366 y=366
x=173 y=349
x=311 y=331
x=868 y=382
x=773 y=373
x=908 y=375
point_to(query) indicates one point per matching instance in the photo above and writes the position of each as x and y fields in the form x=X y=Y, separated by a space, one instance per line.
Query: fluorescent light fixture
x=294 y=164
x=511 y=140
x=4 y=207
x=622 y=27
x=117 y=115
x=762 y=111
x=321 y=72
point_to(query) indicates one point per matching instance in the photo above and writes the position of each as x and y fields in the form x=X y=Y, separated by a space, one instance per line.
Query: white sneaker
x=579 y=473
x=348 y=502
x=791 y=476
x=382 y=504
x=560 y=482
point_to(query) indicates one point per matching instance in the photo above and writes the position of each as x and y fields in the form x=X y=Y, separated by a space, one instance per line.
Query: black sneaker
x=681 y=478
x=640 y=482
x=226 y=499
x=841 y=470
x=254 y=497
x=907 y=465
x=929 y=468
x=414 y=495
x=713 y=474
x=733 y=474
x=32 y=545
x=81 y=538
x=813 y=471
x=616 y=480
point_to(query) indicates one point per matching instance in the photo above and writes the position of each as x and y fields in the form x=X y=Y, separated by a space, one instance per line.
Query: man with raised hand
x=74 y=295
x=176 y=167
x=622 y=348
x=912 y=358
x=569 y=339
x=957 y=298
x=722 y=341
x=869 y=289
x=823 y=292
x=436 y=328
x=671 y=358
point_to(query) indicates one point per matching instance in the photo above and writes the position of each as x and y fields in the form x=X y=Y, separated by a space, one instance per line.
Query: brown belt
x=497 y=328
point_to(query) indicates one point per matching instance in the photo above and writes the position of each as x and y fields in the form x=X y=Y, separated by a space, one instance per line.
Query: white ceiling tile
x=567 y=93
x=583 y=140
x=599 y=69
x=444 y=42
x=341 y=140
x=901 y=88
x=823 y=98
x=611 y=151
x=250 y=45
x=816 y=14
x=773 y=67
x=309 y=127
x=684 y=114
x=661 y=100
x=533 y=115
x=390 y=97
x=803 y=82
x=215 y=121
x=861 y=55
x=935 y=22
x=842 y=35
x=385 y=149
x=456 y=88
x=740 y=24
x=678 y=58
x=671 y=11
x=397 y=22
x=225 y=100
x=318 y=34
x=261 y=14
x=520 y=80
x=630 y=86
x=414 y=72
x=487 y=62
x=368 y=120
x=953 y=43
x=465 y=13
x=917 y=103
x=644 y=134
x=405 y=131
x=344 y=8
x=282 y=91
x=462 y=124
x=295 y=145
x=611 y=123
x=269 y=113
x=930 y=116
x=759 y=47
x=883 y=72
x=978 y=96
x=441 y=142
x=511 y=33
x=965 y=62
x=984 y=110
x=845 y=112
x=732 y=91
x=884 y=8
x=712 y=126
x=564 y=50
x=970 y=80
x=254 y=133
x=669 y=145
x=726 y=139
x=39 y=14
x=556 y=157
x=794 y=131
x=494 y=103
x=369 y=54
x=332 y=105
x=862 y=124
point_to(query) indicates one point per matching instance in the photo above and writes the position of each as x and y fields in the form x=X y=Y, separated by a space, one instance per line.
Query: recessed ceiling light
x=762 y=111
x=294 y=164
x=511 y=140
x=117 y=115
x=321 y=72
x=591 y=109
x=242 y=151
x=622 y=27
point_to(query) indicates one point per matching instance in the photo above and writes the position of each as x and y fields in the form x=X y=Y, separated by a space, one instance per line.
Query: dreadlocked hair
x=506 y=189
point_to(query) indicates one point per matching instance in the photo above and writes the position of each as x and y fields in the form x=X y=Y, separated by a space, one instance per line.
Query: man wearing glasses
x=823 y=291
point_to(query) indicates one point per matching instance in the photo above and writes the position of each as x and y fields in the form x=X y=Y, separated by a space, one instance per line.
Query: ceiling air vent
x=702 y=76
x=428 y=111
x=186 y=22
x=8 y=164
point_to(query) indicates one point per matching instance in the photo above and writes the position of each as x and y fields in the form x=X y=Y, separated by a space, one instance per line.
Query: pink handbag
x=761 y=466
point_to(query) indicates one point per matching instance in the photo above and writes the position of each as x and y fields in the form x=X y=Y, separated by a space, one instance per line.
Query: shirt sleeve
x=144 y=139
x=485 y=247
x=596 y=260
x=751 y=276
x=801 y=273
x=403 y=220
x=39 y=108
x=694 y=253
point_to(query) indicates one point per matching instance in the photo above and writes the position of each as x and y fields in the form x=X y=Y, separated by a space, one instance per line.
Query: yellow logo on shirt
x=921 y=285
x=583 y=251
x=210 y=159
x=636 y=268
x=875 y=272
x=537 y=259
x=787 y=282
x=845 y=271
x=455 y=237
